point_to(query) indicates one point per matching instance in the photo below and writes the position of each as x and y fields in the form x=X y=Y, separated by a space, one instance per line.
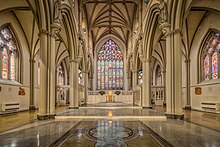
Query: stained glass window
x=158 y=76
x=140 y=76
x=110 y=67
x=4 y=64
x=206 y=68
x=12 y=66
x=60 y=73
x=210 y=57
x=8 y=53
x=215 y=65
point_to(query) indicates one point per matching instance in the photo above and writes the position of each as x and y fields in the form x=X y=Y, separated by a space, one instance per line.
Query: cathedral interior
x=110 y=73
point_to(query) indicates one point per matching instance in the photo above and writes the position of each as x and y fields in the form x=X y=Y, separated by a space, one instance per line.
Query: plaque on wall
x=198 y=90
x=21 y=91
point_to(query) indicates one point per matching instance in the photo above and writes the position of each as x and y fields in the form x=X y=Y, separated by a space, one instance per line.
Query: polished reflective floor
x=107 y=133
x=22 y=129
x=14 y=120
x=205 y=119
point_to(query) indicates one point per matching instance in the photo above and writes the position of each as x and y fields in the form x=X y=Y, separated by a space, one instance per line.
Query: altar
x=110 y=96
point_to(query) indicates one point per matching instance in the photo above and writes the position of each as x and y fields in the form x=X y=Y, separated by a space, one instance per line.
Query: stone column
x=43 y=99
x=52 y=73
x=188 y=102
x=164 y=84
x=173 y=72
x=134 y=78
x=32 y=106
x=129 y=80
x=146 y=86
x=85 y=76
x=47 y=76
x=74 y=84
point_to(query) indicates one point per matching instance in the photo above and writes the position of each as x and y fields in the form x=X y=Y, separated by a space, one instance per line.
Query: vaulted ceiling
x=113 y=17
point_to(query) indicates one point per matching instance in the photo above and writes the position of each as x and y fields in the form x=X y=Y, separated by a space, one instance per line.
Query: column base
x=32 y=107
x=149 y=107
x=188 y=107
x=46 y=116
x=72 y=107
x=174 y=115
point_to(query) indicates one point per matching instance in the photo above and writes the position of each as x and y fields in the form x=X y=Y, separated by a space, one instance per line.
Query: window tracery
x=110 y=67
x=210 y=57
x=8 y=51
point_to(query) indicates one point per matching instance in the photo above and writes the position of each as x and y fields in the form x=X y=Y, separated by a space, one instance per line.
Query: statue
x=57 y=12
x=163 y=11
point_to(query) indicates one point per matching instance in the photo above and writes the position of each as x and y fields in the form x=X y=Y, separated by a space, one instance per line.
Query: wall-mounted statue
x=163 y=11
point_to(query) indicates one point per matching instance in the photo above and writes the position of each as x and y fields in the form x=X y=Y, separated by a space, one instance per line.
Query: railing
x=158 y=95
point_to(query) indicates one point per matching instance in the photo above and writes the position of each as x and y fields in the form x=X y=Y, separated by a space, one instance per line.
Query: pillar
x=74 y=85
x=174 y=75
x=129 y=80
x=146 y=86
x=47 y=76
x=188 y=101
x=85 y=76
x=31 y=105
x=164 y=84
x=134 y=79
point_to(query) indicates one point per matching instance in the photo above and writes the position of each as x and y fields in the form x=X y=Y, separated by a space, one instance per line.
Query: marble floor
x=110 y=132
x=205 y=119
x=15 y=120
x=106 y=133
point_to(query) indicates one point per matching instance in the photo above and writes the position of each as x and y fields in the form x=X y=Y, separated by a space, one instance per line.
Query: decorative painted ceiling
x=113 y=17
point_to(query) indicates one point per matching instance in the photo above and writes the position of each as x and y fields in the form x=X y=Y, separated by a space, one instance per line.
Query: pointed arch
x=209 y=56
x=9 y=53
x=110 y=67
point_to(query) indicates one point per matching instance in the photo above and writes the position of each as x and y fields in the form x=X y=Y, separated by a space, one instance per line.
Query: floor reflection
x=111 y=133
x=108 y=133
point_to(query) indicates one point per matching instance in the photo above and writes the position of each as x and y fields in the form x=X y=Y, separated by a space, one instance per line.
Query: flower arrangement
x=117 y=92
x=101 y=92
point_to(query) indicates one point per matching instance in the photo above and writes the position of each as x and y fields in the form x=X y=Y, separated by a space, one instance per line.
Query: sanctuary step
x=121 y=113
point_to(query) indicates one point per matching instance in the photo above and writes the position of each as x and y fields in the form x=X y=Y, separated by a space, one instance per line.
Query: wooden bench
x=210 y=106
x=11 y=106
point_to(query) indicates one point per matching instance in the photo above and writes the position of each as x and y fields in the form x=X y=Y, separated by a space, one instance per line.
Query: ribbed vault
x=110 y=17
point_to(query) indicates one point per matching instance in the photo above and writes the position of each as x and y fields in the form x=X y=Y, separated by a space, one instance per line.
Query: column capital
x=85 y=72
x=146 y=60
x=42 y=32
x=47 y=33
x=31 y=60
x=176 y=31
x=187 y=60
x=73 y=60
x=134 y=71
